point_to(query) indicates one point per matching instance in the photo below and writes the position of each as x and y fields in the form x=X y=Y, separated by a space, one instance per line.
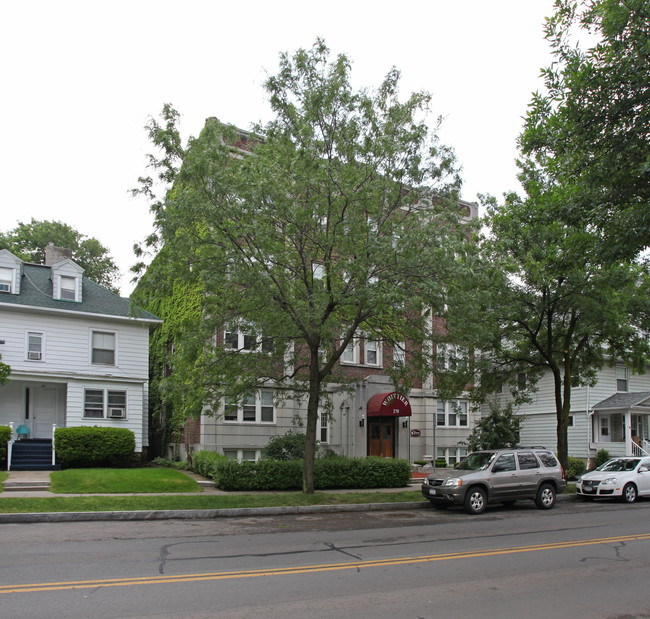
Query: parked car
x=503 y=475
x=623 y=478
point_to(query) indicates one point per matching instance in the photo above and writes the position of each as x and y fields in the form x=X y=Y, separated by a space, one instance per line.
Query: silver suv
x=501 y=475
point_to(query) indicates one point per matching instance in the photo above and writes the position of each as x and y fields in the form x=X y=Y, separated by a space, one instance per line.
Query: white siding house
x=78 y=353
x=614 y=414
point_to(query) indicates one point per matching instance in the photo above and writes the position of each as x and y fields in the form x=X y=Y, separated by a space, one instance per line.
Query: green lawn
x=10 y=505
x=116 y=481
x=3 y=476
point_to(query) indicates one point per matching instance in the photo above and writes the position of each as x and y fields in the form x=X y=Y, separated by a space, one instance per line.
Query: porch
x=621 y=425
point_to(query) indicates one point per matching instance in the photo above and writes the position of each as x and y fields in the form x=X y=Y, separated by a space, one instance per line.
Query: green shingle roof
x=36 y=291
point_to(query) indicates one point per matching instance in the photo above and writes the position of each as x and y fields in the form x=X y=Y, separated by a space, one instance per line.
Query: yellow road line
x=152 y=580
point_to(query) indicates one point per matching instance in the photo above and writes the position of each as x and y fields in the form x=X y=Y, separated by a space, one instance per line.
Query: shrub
x=179 y=465
x=575 y=468
x=205 y=462
x=91 y=447
x=602 y=455
x=331 y=472
x=441 y=463
x=5 y=437
x=288 y=447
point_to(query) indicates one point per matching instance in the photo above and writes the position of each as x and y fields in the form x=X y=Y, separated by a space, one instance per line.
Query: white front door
x=44 y=411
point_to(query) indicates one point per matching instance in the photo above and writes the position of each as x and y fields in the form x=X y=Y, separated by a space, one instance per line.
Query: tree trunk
x=312 y=418
x=562 y=409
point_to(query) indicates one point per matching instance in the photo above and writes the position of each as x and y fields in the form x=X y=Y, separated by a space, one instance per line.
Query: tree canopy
x=337 y=218
x=590 y=128
x=27 y=241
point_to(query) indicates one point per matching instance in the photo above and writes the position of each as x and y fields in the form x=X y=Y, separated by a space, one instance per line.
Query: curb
x=205 y=514
x=211 y=514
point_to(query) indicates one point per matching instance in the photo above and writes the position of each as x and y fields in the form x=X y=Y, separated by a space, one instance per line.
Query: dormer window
x=6 y=280
x=68 y=288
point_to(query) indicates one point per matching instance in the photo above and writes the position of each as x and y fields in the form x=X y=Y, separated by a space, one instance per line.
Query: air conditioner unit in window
x=34 y=355
x=117 y=413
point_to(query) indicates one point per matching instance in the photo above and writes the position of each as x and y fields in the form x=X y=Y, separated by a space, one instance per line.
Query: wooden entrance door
x=381 y=438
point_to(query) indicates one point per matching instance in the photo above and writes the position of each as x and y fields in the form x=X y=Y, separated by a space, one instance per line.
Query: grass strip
x=115 y=481
x=10 y=505
x=3 y=477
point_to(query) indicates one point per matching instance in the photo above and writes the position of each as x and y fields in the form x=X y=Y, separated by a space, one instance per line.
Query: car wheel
x=629 y=493
x=545 y=497
x=475 y=500
x=438 y=504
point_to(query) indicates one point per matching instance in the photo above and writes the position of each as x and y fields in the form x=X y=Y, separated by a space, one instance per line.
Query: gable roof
x=36 y=292
x=623 y=400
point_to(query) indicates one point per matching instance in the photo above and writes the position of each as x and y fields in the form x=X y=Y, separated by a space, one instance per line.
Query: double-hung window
x=351 y=352
x=621 y=379
x=68 y=288
x=6 y=279
x=399 y=353
x=453 y=414
x=246 y=342
x=104 y=403
x=35 y=346
x=257 y=408
x=103 y=348
x=372 y=350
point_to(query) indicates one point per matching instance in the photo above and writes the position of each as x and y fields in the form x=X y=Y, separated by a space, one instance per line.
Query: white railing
x=53 y=452
x=641 y=450
x=10 y=445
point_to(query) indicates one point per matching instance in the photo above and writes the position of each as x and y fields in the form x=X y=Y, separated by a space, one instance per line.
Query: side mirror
x=643 y=469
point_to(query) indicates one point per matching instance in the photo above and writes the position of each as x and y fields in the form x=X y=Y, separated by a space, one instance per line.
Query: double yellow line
x=153 y=580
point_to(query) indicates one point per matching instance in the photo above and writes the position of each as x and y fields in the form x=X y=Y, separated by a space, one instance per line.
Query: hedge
x=5 y=437
x=90 y=447
x=329 y=473
x=205 y=462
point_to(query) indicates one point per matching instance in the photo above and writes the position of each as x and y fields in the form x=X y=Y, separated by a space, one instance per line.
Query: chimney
x=54 y=254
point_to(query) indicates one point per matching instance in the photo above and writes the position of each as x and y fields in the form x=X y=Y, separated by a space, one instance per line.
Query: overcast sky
x=81 y=78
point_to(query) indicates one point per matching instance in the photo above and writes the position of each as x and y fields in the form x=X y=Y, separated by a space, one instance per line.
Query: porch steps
x=32 y=455
x=25 y=486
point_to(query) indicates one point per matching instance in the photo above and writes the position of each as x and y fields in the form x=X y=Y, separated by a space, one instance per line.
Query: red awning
x=388 y=404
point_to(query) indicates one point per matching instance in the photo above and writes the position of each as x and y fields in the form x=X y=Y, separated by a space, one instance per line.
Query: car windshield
x=476 y=461
x=619 y=464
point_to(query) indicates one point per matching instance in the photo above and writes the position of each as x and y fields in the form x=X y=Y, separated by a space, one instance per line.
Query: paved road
x=578 y=560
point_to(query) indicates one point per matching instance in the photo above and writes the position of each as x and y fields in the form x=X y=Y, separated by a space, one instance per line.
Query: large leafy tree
x=337 y=217
x=5 y=371
x=28 y=241
x=550 y=304
x=590 y=128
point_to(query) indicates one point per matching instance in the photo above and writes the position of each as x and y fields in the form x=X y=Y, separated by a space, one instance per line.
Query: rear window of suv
x=527 y=461
x=547 y=458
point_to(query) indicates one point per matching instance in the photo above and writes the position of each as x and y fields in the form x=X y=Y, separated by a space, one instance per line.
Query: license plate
x=432 y=491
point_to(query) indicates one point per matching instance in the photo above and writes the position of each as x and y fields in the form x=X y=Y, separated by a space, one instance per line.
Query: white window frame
x=68 y=292
x=35 y=355
x=106 y=395
x=399 y=353
x=92 y=347
x=452 y=455
x=323 y=425
x=350 y=355
x=238 y=454
x=450 y=414
x=7 y=276
x=252 y=409
x=243 y=341
x=625 y=378
x=376 y=347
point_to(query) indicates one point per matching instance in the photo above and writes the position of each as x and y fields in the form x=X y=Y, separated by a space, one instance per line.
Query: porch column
x=628 y=433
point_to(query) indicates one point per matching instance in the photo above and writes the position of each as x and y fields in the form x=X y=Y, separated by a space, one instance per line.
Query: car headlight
x=610 y=481
x=453 y=481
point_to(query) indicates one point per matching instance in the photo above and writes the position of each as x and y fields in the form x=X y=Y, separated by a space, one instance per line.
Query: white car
x=623 y=478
